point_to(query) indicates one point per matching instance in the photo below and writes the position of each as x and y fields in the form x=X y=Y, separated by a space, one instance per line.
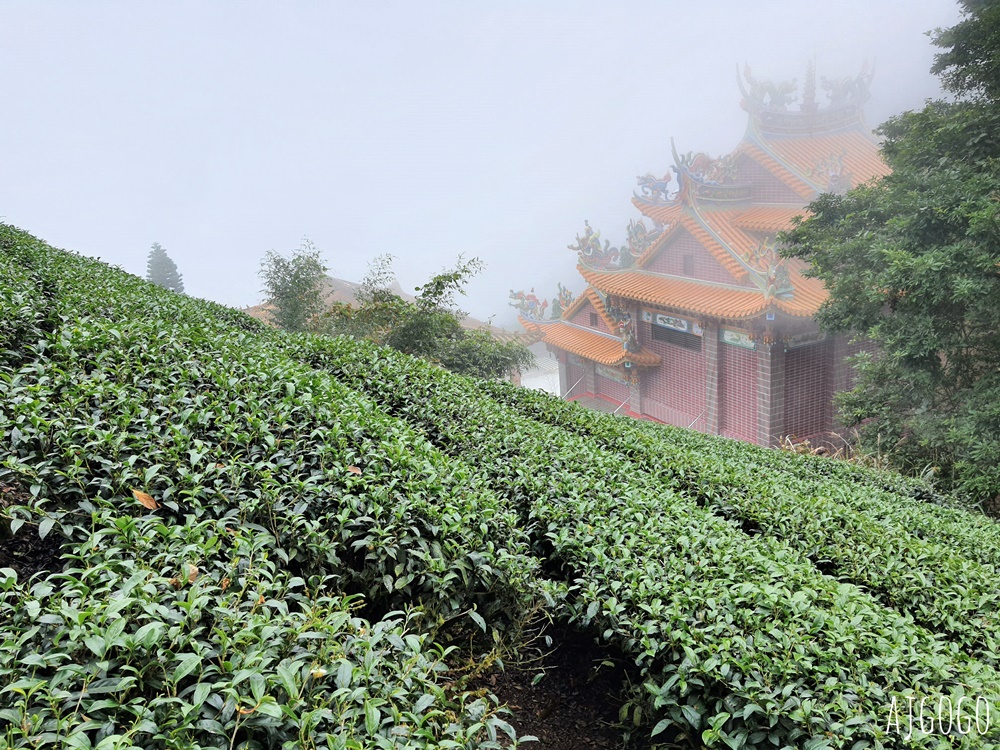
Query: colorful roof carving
x=592 y=254
x=768 y=103
x=528 y=304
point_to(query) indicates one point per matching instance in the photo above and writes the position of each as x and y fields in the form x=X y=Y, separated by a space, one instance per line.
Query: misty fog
x=424 y=130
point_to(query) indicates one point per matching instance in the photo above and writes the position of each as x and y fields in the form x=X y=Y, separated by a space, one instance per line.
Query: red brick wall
x=738 y=392
x=674 y=392
x=671 y=260
x=809 y=390
x=582 y=318
x=614 y=390
x=766 y=187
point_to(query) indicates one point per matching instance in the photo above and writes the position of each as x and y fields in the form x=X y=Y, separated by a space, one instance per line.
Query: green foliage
x=970 y=64
x=161 y=634
x=479 y=354
x=928 y=561
x=161 y=270
x=283 y=497
x=739 y=637
x=334 y=517
x=430 y=326
x=912 y=263
x=293 y=286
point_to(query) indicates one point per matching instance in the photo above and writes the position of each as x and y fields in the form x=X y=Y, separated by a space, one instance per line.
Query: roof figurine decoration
x=626 y=326
x=528 y=305
x=767 y=102
x=701 y=176
x=655 y=190
x=593 y=255
x=838 y=179
x=562 y=300
x=766 y=96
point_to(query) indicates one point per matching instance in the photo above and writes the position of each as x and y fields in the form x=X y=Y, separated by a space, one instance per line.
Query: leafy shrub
x=277 y=541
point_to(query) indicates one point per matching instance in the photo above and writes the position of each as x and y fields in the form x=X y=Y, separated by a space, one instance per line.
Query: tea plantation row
x=288 y=505
x=332 y=518
x=915 y=557
x=698 y=603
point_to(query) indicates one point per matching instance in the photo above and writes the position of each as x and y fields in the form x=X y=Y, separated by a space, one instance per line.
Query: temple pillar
x=589 y=384
x=564 y=384
x=635 y=390
x=710 y=345
x=770 y=392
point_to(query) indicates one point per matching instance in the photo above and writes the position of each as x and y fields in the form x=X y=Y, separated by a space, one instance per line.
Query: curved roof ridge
x=732 y=262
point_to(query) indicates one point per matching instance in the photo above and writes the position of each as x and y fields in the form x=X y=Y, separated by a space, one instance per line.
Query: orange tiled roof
x=809 y=293
x=705 y=298
x=590 y=295
x=599 y=347
x=663 y=213
x=768 y=218
x=721 y=223
x=772 y=165
x=804 y=155
x=697 y=229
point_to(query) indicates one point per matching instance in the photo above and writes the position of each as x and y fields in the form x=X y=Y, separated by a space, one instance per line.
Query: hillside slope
x=277 y=541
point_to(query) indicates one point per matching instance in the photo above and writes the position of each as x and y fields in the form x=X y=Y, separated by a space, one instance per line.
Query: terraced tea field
x=260 y=540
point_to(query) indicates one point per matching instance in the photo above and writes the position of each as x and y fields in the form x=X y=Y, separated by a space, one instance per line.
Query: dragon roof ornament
x=656 y=190
x=561 y=302
x=768 y=103
x=706 y=178
x=601 y=257
x=528 y=304
x=838 y=179
x=768 y=270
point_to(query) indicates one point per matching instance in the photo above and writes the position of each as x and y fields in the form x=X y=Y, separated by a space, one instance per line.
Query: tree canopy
x=430 y=326
x=161 y=270
x=293 y=287
x=912 y=262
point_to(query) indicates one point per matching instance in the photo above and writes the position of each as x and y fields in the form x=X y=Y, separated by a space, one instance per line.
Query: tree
x=161 y=270
x=912 y=262
x=293 y=287
x=431 y=325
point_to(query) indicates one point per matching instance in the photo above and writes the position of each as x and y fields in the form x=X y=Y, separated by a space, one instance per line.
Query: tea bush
x=698 y=603
x=110 y=385
x=166 y=634
x=280 y=541
x=934 y=563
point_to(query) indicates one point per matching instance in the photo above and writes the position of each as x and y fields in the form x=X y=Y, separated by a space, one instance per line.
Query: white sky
x=425 y=129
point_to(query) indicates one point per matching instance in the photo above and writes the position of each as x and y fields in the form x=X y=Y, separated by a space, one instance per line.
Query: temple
x=696 y=320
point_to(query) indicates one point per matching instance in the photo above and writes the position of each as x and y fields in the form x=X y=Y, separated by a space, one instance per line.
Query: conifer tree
x=161 y=270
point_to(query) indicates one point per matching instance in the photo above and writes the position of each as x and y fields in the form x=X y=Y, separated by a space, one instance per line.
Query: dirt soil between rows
x=573 y=707
x=25 y=552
